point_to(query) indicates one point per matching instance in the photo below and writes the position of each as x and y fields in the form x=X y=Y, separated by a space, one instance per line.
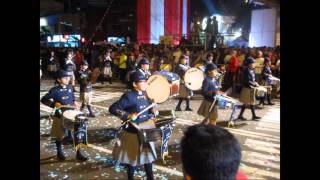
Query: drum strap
x=80 y=136
x=166 y=134
x=234 y=108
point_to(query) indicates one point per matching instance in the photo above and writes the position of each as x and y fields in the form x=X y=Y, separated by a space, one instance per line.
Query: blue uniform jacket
x=84 y=81
x=64 y=96
x=131 y=102
x=181 y=69
x=265 y=72
x=249 y=78
x=210 y=87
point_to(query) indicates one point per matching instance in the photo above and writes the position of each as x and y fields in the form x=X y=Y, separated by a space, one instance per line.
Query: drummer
x=129 y=150
x=266 y=81
x=142 y=68
x=209 y=59
x=85 y=87
x=184 y=92
x=210 y=87
x=247 y=96
x=62 y=95
x=70 y=67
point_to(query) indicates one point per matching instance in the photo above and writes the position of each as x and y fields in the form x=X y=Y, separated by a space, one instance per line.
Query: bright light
x=198 y=22
x=204 y=23
x=83 y=40
x=64 y=38
x=237 y=34
x=43 y=22
x=56 y=38
x=218 y=18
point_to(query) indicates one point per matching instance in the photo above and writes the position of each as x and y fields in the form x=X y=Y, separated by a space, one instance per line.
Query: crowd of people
x=133 y=64
x=113 y=62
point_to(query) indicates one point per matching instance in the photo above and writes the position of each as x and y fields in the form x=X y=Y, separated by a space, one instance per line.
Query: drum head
x=158 y=88
x=193 y=79
x=71 y=114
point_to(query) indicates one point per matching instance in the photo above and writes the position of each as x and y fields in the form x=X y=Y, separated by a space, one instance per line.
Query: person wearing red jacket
x=78 y=58
x=234 y=65
x=233 y=69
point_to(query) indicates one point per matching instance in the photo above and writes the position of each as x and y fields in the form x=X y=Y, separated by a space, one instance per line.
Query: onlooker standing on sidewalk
x=122 y=66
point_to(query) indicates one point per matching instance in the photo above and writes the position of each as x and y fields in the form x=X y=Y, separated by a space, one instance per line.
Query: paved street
x=260 y=140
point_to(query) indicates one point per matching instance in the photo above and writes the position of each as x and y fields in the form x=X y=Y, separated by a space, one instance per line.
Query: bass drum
x=162 y=85
x=193 y=79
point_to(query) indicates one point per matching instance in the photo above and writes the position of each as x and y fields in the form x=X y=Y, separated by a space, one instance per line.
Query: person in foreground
x=210 y=153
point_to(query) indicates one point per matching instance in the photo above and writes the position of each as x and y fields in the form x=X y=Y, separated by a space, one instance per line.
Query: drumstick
x=262 y=86
x=215 y=99
x=144 y=110
x=66 y=106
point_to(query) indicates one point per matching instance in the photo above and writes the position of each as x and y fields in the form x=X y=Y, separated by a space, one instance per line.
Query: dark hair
x=210 y=153
x=209 y=54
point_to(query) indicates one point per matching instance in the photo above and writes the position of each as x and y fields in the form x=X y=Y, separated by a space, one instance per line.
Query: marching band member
x=247 y=96
x=106 y=68
x=70 y=67
x=184 y=92
x=62 y=95
x=130 y=151
x=210 y=87
x=266 y=81
x=85 y=87
x=143 y=67
x=209 y=59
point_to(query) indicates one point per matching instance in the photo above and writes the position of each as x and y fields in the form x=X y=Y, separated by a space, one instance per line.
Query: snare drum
x=275 y=82
x=151 y=130
x=162 y=85
x=260 y=91
x=148 y=131
x=164 y=122
x=193 y=79
x=224 y=102
x=71 y=117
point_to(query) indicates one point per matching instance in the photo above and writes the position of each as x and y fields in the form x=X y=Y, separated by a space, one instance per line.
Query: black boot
x=243 y=107
x=188 y=105
x=102 y=80
x=269 y=99
x=80 y=156
x=110 y=80
x=60 y=154
x=130 y=172
x=178 y=108
x=254 y=117
x=68 y=138
x=90 y=111
x=82 y=106
x=148 y=169
x=262 y=100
